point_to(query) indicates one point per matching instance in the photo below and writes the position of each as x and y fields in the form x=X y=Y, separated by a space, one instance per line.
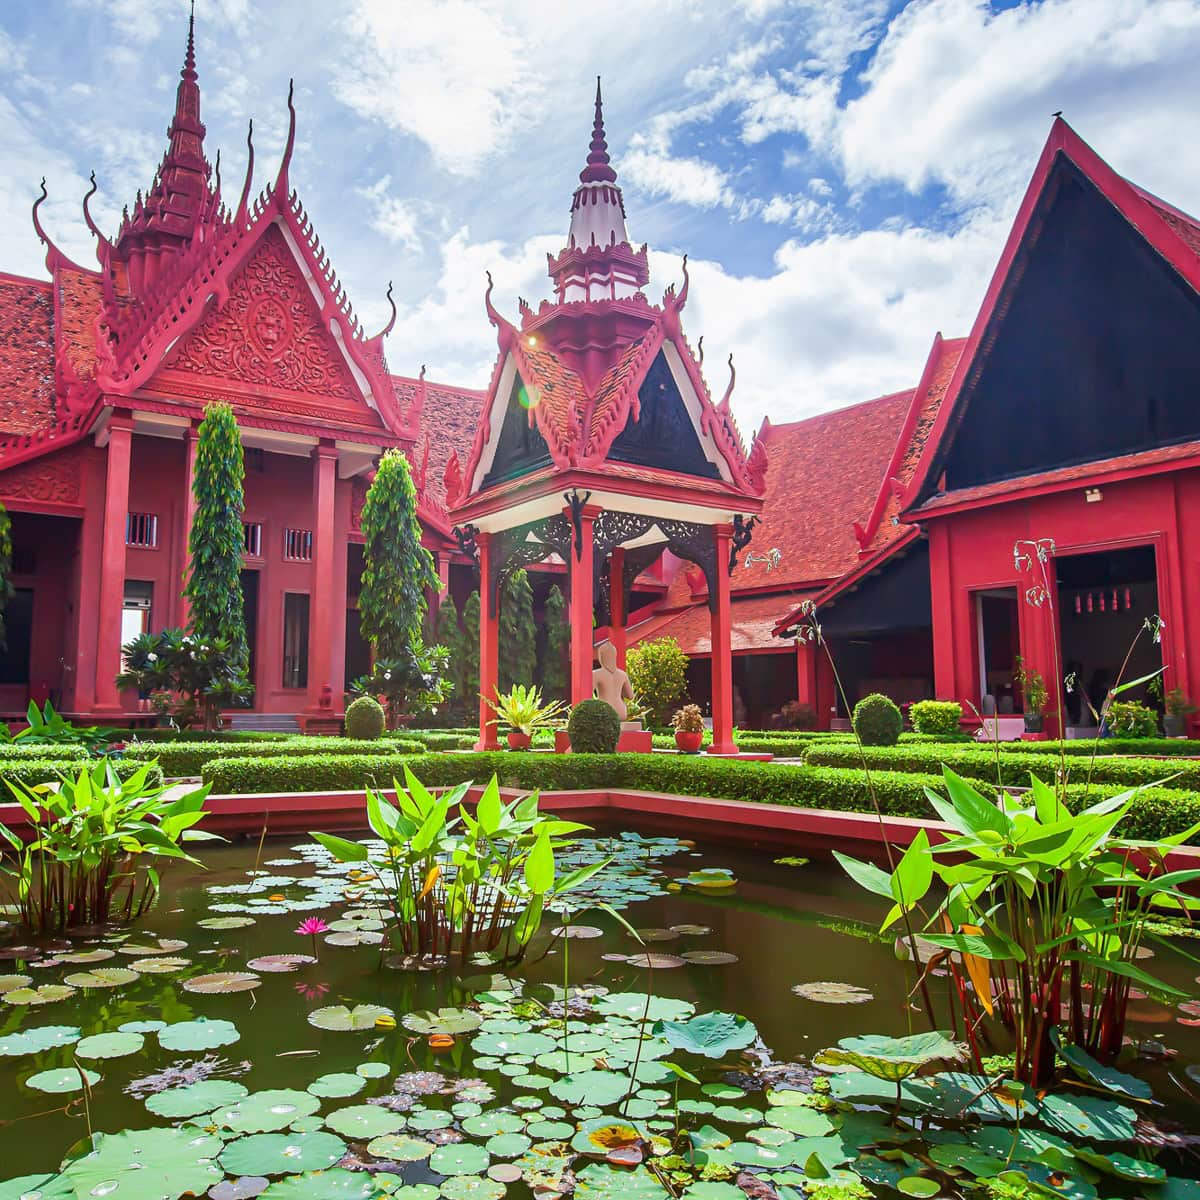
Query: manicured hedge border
x=166 y=734
x=1155 y=813
x=1012 y=768
x=33 y=771
x=1073 y=747
x=44 y=752
x=188 y=758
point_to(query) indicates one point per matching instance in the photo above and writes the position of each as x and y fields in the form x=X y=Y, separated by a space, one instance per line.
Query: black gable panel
x=1097 y=355
x=521 y=448
x=663 y=436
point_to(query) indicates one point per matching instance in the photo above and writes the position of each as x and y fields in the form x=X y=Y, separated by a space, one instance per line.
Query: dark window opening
x=295 y=640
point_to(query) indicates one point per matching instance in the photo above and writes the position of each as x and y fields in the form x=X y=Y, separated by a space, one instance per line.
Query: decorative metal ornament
x=576 y=503
x=743 y=531
x=697 y=544
x=465 y=536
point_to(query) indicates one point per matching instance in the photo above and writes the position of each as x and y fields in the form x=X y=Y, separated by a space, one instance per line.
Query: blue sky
x=841 y=172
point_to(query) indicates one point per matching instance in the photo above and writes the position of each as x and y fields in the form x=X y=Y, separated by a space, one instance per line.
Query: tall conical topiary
x=518 y=634
x=558 y=635
x=216 y=540
x=469 y=657
x=397 y=568
x=448 y=633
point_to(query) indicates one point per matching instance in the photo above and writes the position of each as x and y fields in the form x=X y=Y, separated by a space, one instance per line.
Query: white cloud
x=685 y=180
x=397 y=219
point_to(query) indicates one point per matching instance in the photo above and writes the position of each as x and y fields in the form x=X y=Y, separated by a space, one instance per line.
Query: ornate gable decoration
x=268 y=332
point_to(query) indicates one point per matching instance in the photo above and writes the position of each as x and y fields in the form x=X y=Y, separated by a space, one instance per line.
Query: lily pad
x=599 y=1181
x=200 y=1034
x=109 y=1045
x=444 y=1020
x=892 y=1058
x=400 y=1147
x=337 y=1084
x=1086 y=1067
x=158 y=946
x=163 y=965
x=48 y=993
x=10 y=983
x=635 y=1006
x=222 y=981
x=282 y=1153
x=824 y=992
x=334 y=1184
x=102 y=977
x=364 y=1121
x=171 y=1163
x=599 y=1088
x=340 y=1018
x=62 y=1079
x=196 y=1098
x=225 y=922
x=280 y=963
x=464 y=1158
x=1088 y=1117
x=267 y=1111
x=711 y=1034
x=37 y=1039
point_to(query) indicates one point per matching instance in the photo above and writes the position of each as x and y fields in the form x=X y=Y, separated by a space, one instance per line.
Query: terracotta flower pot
x=688 y=741
x=518 y=740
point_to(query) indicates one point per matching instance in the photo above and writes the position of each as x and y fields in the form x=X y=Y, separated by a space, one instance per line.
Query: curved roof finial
x=217 y=172
x=241 y=208
x=598 y=169
x=505 y=333
x=104 y=244
x=700 y=352
x=43 y=237
x=725 y=399
x=391 y=320
x=281 y=179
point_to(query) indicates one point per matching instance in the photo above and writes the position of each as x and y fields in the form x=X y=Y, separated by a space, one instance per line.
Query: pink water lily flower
x=312 y=926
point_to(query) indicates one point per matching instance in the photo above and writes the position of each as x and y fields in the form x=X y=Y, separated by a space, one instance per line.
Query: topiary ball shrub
x=936 y=717
x=1129 y=719
x=877 y=720
x=594 y=728
x=364 y=719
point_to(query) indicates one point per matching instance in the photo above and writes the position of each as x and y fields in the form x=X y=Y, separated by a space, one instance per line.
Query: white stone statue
x=609 y=682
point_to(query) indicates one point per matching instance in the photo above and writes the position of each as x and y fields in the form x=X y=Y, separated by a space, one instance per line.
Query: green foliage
x=46 y=727
x=518 y=634
x=397 y=569
x=877 y=720
x=523 y=709
x=184 y=759
x=196 y=676
x=468 y=655
x=1038 y=901
x=463 y=884
x=6 y=587
x=558 y=636
x=364 y=719
x=794 y=715
x=448 y=633
x=594 y=728
x=658 y=675
x=416 y=683
x=97 y=839
x=935 y=717
x=1129 y=719
x=688 y=720
x=1033 y=688
x=213 y=584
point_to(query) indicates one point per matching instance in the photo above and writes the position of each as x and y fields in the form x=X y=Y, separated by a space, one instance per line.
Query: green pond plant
x=463 y=884
x=95 y=845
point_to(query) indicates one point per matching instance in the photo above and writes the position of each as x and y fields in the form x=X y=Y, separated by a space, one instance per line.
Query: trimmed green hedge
x=1012 y=768
x=33 y=771
x=1155 y=813
x=44 y=752
x=1139 y=747
x=436 y=739
x=189 y=758
x=199 y=735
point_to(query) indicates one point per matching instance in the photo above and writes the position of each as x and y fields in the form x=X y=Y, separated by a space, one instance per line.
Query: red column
x=320 y=613
x=339 y=589
x=489 y=645
x=616 y=602
x=806 y=674
x=111 y=597
x=189 y=513
x=722 y=654
x=79 y=682
x=945 y=675
x=581 y=615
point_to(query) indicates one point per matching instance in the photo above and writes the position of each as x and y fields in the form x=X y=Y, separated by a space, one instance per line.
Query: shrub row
x=436 y=739
x=1012 y=768
x=1155 y=813
x=166 y=734
x=189 y=758
x=1171 y=747
x=33 y=771
x=45 y=752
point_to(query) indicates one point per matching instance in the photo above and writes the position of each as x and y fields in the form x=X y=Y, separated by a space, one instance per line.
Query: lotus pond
x=214 y=1050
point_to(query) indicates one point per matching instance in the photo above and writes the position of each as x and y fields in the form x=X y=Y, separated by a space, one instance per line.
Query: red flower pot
x=518 y=740
x=688 y=741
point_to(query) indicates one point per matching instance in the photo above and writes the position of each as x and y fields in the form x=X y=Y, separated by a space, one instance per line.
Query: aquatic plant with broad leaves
x=1043 y=917
x=96 y=840
x=47 y=727
x=462 y=884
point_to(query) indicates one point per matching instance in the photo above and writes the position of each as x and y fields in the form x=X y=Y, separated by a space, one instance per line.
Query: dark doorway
x=18 y=625
x=999 y=644
x=358 y=652
x=1104 y=599
x=295 y=640
x=762 y=685
x=250 y=617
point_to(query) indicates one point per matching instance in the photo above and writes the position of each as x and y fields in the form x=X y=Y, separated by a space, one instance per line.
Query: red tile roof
x=448 y=421
x=80 y=299
x=26 y=355
x=823 y=474
x=753 y=621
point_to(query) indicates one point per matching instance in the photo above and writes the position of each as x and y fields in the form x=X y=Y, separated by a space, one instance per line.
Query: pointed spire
x=598 y=169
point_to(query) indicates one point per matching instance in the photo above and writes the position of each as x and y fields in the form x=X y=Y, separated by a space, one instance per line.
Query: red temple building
x=919 y=523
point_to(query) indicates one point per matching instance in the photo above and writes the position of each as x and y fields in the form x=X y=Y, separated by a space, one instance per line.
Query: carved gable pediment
x=269 y=332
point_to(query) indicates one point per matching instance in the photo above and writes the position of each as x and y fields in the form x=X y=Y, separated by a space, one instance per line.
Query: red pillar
x=489 y=644
x=581 y=615
x=806 y=674
x=339 y=589
x=945 y=675
x=616 y=602
x=320 y=613
x=189 y=513
x=111 y=597
x=79 y=683
x=722 y=653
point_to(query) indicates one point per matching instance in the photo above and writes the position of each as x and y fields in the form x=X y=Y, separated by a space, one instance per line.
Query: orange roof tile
x=26 y=355
x=448 y=421
x=753 y=621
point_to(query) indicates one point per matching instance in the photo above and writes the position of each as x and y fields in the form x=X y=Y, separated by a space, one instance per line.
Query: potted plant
x=1177 y=708
x=524 y=711
x=689 y=729
x=1033 y=689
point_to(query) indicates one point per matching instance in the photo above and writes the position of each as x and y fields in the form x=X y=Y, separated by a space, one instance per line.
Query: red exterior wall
x=972 y=550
